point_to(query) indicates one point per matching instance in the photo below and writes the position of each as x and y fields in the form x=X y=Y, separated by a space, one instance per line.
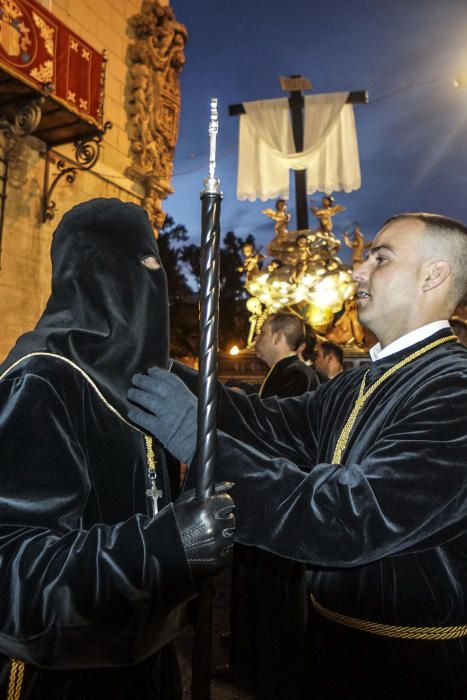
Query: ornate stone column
x=156 y=58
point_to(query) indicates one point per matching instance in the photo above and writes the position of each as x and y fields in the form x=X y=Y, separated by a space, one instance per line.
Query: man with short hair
x=381 y=517
x=329 y=361
x=268 y=594
x=282 y=334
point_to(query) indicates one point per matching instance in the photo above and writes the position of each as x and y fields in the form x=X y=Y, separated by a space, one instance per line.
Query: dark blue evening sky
x=412 y=135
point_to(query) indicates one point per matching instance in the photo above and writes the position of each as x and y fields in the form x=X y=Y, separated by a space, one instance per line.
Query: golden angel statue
x=357 y=244
x=325 y=213
x=253 y=260
x=281 y=218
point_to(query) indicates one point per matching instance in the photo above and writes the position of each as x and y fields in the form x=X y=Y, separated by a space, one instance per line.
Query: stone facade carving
x=156 y=59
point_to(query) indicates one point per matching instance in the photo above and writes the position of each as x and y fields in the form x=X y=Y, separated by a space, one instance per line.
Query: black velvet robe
x=91 y=585
x=268 y=598
x=289 y=377
x=385 y=531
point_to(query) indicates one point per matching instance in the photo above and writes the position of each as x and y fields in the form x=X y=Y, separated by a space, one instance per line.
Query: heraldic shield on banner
x=41 y=51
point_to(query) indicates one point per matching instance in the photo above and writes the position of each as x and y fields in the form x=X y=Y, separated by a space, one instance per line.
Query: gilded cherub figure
x=252 y=262
x=281 y=218
x=357 y=244
x=303 y=256
x=325 y=213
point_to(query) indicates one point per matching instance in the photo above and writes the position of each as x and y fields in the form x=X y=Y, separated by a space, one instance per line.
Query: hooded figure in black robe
x=91 y=586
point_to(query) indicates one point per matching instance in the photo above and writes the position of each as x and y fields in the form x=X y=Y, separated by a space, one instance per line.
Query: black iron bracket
x=86 y=155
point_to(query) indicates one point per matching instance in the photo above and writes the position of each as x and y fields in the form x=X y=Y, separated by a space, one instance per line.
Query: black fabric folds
x=385 y=531
x=91 y=584
x=107 y=312
x=289 y=377
x=268 y=617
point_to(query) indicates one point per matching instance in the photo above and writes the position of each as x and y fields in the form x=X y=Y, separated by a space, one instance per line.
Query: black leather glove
x=207 y=529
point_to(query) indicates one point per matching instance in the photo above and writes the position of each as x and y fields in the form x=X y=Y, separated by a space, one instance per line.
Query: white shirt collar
x=405 y=341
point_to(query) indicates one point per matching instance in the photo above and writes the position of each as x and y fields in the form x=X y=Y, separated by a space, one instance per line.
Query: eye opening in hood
x=151 y=262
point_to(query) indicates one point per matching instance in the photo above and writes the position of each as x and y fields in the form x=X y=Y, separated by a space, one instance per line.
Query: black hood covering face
x=108 y=313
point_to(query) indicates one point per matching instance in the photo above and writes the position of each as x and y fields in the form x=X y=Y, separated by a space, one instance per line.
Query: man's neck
x=334 y=372
x=377 y=352
x=282 y=356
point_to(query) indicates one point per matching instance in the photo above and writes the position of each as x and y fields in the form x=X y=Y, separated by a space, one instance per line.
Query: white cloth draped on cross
x=267 y=151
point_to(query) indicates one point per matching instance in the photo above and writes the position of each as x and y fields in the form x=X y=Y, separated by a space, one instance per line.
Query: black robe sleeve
x=74 y=595
x=402 y=489
x=251 y=418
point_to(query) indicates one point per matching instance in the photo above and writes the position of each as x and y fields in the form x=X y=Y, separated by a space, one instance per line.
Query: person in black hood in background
x=96 y=563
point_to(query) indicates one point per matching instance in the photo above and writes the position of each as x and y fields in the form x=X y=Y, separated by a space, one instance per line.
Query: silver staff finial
x=211 y=184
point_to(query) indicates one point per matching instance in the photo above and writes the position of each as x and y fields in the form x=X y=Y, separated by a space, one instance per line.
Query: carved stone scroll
x=156 y=58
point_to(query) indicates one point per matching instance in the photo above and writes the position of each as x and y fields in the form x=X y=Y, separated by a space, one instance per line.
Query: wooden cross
x=295 y=84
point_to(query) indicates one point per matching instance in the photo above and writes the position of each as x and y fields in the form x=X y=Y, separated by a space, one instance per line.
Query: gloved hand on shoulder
x=207 y=529
x=170 y=411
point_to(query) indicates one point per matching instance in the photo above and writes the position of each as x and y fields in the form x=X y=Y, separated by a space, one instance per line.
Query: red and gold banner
x=41 y=51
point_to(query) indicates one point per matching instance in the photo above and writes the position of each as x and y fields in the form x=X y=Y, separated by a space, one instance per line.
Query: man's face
x=389 y=281
x=320 y=361
x=264 y=344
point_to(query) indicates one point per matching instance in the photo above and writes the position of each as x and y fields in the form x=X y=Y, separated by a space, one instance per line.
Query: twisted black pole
x=207 y=399
x=209 y=323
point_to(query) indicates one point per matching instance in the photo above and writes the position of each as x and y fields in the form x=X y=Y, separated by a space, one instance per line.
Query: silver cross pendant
x=154 y=494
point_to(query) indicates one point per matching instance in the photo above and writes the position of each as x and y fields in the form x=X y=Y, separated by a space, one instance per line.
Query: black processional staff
x=211 y=198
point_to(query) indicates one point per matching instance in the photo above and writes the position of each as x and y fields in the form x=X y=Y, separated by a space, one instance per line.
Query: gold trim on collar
x=148 y=440
x=364 y=395
x=17 y=668
x=83 y=373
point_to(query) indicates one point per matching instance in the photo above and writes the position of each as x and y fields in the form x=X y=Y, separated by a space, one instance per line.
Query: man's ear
x=277 y=337
x=434 y=274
